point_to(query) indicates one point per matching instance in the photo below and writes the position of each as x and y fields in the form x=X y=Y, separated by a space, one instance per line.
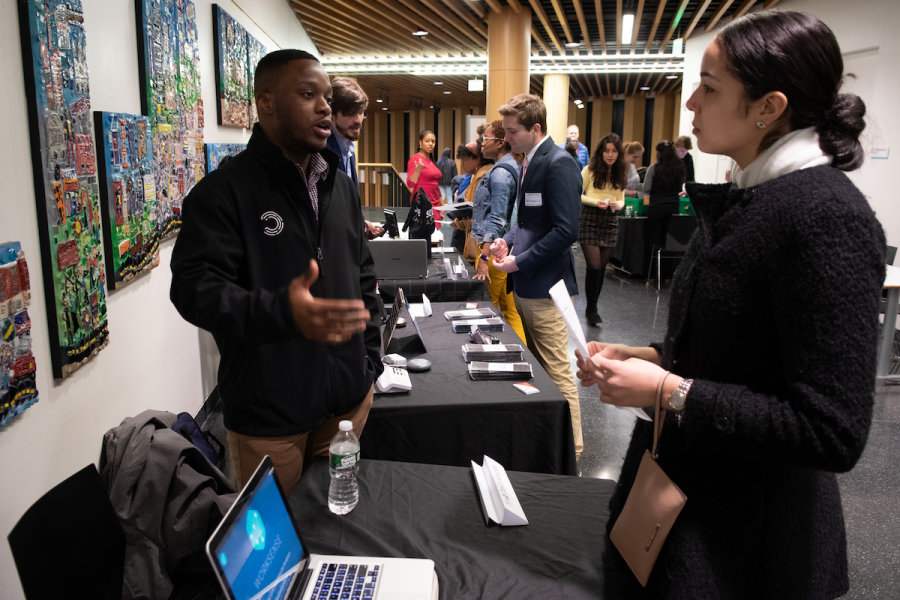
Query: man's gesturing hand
x=323 y=319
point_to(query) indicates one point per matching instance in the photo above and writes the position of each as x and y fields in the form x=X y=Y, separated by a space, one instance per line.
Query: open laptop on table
x=258 y=553
x=400 y=259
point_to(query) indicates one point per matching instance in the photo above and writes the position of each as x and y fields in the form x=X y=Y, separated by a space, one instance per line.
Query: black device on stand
x=390 y=224
x=411 y=345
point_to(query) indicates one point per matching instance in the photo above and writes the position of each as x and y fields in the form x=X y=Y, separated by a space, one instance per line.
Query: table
x=886 y=344
x=426 y=511
x=436 y=285
x=628 y=254
x=448 y=419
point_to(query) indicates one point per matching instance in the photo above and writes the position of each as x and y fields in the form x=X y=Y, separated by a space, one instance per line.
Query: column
x=509 y=49
x=556 y=97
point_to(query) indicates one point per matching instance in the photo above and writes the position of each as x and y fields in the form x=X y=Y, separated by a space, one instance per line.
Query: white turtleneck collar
x=793 y=152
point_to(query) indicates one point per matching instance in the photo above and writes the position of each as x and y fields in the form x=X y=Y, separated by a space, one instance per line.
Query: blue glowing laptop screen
x=261 y=554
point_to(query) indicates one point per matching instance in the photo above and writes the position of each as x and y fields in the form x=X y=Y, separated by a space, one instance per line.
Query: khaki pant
x=501 y=299
x=290 y=453
x=548 y=340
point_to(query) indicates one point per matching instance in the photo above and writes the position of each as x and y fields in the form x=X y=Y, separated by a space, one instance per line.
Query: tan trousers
x=501 y=299
x=290 y=453
x=548 y=340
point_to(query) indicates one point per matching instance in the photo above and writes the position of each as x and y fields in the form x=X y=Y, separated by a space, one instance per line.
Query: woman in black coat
x=768 y=364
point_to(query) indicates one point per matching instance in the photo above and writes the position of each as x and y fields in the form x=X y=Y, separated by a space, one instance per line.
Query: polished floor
x=636 y=315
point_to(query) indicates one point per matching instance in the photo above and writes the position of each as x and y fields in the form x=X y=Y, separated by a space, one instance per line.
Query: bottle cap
x=346 y=426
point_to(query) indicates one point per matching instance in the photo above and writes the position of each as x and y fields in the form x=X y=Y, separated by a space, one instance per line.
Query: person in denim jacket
x=494 y=200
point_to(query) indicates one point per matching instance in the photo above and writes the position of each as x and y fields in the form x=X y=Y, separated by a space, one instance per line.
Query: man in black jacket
x=273 y=261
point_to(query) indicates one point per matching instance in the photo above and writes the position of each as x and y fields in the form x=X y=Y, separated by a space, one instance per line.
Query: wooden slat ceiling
x=383 y=28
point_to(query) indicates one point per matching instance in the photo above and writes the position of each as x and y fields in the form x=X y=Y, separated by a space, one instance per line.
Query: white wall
x=154 y=359
x=867 y=33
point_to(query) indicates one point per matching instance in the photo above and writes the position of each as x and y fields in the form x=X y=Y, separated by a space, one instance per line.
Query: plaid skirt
x=599 y=227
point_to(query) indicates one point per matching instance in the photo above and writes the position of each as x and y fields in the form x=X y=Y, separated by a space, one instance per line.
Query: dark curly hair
x=797 y=54
x=617 y=173
x=669 y=172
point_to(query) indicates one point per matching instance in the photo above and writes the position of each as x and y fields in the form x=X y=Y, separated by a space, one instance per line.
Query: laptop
x=258 y=553
x=400 y=259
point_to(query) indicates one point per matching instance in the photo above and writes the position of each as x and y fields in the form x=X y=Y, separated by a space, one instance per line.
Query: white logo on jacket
x=279 y=223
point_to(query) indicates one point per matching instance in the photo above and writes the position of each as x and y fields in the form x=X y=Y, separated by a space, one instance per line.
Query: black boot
x=592 y=283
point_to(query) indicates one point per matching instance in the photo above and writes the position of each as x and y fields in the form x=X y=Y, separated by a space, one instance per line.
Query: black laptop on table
x=400 y=259
x=258 y=553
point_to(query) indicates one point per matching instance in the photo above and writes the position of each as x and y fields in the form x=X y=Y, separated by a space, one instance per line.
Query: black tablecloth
x=436 y=285
x=448 y=419
x=424 y=511
x=629 y=251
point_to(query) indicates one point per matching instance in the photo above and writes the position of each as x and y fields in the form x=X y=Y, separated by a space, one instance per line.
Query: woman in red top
x=421 y=172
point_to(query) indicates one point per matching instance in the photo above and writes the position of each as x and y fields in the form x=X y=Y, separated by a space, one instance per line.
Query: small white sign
x=471 y=305
x=526 y=388
x=882 y=153
x=498 y=499
x=421 y=310
x=448 y=269
x=461 y=269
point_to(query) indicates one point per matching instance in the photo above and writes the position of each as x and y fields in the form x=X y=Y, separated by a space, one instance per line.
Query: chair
x=678 y=236
x=69 y=544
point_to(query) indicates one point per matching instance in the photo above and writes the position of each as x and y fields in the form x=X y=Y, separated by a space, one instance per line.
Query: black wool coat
x=774 y=314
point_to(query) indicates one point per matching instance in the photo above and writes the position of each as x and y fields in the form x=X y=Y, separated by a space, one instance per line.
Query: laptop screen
x=260 y=553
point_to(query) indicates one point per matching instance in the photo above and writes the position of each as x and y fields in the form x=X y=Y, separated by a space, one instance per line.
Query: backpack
x=187 y=427
x=420 y=220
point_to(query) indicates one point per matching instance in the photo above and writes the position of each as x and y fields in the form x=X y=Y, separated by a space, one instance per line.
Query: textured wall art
x=128 y=195
x=17 y=367
x=237 y=54
x=65 y=180
x=215 y=153
x=169 y=72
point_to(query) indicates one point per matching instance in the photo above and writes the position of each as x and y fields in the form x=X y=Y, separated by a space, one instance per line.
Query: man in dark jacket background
x=272 y=260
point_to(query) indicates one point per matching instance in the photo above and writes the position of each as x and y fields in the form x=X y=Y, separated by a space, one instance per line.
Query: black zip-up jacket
x=248 y=229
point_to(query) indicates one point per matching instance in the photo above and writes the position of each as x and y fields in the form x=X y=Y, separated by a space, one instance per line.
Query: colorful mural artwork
x=169 y=67
x=218 y=153
x=237 y=54
x=18 y=390
x=54 y=54
x=128 y=194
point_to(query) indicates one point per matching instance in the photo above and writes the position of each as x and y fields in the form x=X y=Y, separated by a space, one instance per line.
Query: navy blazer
x=541 y=238
x=335 y=147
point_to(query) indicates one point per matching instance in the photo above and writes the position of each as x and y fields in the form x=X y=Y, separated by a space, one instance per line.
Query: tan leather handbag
x=650 y=510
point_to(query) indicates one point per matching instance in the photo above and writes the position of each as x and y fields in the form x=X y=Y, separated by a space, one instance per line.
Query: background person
x=537 y=251
x=633 y=153
x=448 y=171
x=769 y=403
x=348 y=111
x=494 y=200
x=682 y=145
x=581 y=155
x=298 y=356
x=602 y=195
x=663 y=183
x=461 y=218
x=422 y=173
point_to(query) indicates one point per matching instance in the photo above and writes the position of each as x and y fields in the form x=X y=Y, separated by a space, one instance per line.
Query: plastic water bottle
x=343 y=492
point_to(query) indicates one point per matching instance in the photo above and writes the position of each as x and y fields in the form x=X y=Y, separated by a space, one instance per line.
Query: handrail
x=388 y=166
x=375 y=192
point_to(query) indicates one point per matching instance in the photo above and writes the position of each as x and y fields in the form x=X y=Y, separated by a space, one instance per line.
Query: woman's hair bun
x=839 y=131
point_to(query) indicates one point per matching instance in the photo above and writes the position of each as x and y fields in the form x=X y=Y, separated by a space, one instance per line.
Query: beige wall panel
x=397 y=140
x=602 y=120
x=637 y=123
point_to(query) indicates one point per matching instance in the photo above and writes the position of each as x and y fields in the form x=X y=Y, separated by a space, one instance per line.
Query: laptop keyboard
x=345 y=582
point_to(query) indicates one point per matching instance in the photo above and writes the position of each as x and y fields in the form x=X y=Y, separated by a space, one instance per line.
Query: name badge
x=533 y=199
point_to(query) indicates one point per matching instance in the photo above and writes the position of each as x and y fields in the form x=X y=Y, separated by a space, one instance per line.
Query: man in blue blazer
x=348 y=110
x=537 y=251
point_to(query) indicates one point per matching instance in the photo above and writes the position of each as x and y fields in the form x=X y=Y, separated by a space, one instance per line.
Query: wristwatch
x=678 y=397
x=484 y=258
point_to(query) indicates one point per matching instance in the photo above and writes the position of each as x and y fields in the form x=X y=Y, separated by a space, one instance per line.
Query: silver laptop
x=258 y=553
x=400 y=259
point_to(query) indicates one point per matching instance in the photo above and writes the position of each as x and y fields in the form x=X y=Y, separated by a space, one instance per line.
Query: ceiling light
x=627 y=28
x=678 y=46
x=577 y=101
x=438 y=83
x=420 y=32
x=645 y=88
x=671 y=76
x=385 y=108
x=447 y=92
x=476 y=85
x=432 y=106
x=573 y=44
x=580 y=105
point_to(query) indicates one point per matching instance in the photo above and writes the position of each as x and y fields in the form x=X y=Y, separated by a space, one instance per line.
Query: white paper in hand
x=498 y=499
x=560 y=295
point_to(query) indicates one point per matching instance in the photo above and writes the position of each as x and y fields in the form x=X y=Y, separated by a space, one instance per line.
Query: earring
x=760 y=124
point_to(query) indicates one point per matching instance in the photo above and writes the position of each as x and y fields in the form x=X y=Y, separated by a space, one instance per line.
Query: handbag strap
x=657 y=418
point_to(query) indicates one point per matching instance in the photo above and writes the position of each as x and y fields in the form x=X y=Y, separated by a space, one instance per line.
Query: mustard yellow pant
x=548 y=340
x=502 y=300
